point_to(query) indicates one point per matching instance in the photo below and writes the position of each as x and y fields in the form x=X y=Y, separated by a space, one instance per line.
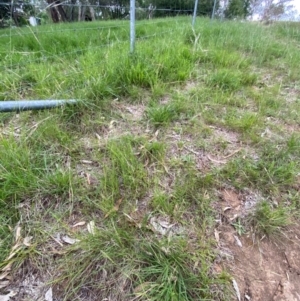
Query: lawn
x=175 y=160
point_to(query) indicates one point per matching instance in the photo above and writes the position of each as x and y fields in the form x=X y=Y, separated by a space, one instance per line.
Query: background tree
x=17 y=11
x=205 y=7
x=178 y=7
x=57 y=11
x=234 y=9
x=271 y=9
x=238 y=9
x=5 y=9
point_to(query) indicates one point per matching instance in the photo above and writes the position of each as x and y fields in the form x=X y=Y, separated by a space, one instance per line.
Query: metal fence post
x=214 y=10
x=195 y=13
x=132 y=26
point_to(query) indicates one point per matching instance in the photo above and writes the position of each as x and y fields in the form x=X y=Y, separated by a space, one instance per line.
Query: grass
x=135 y=170
x=269 y=221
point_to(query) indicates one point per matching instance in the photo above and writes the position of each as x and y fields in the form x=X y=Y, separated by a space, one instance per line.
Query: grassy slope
x=144 y=122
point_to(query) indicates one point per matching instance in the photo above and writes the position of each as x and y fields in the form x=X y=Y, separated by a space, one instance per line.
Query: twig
x=276 y=290
x=233 y=153
x=224 y=158
x=56 y=240
x=215 y=161
x=191 y=150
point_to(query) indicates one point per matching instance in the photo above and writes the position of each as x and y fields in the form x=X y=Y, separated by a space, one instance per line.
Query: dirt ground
x=263 y=270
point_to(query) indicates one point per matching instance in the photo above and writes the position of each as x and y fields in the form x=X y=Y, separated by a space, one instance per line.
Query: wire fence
x=33 y=35
x=103 y=31
x=68 y=31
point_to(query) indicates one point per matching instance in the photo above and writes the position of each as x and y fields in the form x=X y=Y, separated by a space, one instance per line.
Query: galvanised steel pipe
x=26 y=105
x=195 y=13
x=132 y=26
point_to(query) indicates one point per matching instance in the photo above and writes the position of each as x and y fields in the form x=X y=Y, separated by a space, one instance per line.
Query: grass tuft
x=269 y=221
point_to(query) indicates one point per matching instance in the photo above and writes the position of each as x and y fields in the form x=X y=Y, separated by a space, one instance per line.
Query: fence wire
x=26 y=48
x=55 y=29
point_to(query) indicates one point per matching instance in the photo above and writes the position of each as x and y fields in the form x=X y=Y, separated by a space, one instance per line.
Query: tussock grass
x=155 y=138
x=269 y=221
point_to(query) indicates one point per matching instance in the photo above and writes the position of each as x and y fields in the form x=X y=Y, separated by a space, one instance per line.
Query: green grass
x=269 y=221
x=157 y=135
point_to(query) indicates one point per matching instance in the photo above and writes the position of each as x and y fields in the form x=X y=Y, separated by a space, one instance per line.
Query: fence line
x=44 y=55
x=117 y=7
x=63 y=54
x=139 y=23
x=29 y=54
x=132 y=26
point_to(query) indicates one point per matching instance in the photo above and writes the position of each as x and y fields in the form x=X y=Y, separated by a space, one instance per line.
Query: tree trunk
x=57 y=10
x=79 y=13
x=61 y=11
x=83 y=10
x=72 y=17
x=15 y=16
x=54 y=15
x=92 y=12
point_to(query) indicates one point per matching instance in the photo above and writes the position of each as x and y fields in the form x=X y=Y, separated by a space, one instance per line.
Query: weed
x=239 y=227
x=165 y=274
x=162 y=115
x=153 y=151
x=268 y=172
x=149 y=268
x=267 y=220
x=229 y=80
x=123 y=176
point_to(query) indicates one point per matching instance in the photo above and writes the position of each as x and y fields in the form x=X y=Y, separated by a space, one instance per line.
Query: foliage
x=267 y=220
x=18 y=11
x=271 y=9
x=237 y=9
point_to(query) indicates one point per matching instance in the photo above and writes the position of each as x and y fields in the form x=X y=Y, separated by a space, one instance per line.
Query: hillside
x=175 y=177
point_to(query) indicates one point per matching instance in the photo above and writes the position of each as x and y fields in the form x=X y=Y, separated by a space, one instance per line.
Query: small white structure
x=33 y=21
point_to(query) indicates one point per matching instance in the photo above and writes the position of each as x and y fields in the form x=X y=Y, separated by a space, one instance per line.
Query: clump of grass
x=229 y=80
x=123 y=176
x=273 y=170
x=25 y=173
x=124 y=265
x=167 y=275
x=153 y=151
x=161 y=202
x=242 y=121
x=162 y=114
x=267 y=220
x=107 y=257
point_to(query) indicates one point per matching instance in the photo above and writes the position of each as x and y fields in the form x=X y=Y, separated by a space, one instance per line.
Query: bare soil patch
x=263 y=270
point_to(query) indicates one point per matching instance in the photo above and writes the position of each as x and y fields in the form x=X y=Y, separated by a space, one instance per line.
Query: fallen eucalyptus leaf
x=217 y=236
x=91 y=227
x=49 y=295
x=236 y=288
x=78 y=224
x=238 y=242
x=26 y=241
x=67 y=239
x=89 y=162
x=18 y=233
